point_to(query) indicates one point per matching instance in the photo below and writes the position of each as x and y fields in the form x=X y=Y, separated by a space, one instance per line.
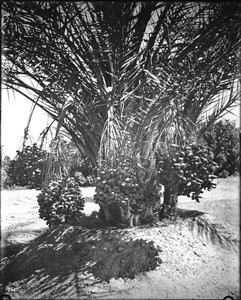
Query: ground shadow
x=15 y=240
x=188 y=213
x=201 y=227
x=68 y=260
x=214 y=233
x=10 y=250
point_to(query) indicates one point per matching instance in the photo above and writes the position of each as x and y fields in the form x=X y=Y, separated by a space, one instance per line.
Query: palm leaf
x=164 y=62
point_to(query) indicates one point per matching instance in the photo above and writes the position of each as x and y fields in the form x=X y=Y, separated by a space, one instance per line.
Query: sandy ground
x=194 y=266
x=20 y=220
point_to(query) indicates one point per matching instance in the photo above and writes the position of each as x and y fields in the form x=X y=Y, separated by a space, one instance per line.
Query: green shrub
x=223 y=139
x=61 y=202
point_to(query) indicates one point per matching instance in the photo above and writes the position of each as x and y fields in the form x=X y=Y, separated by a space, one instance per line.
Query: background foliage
x=32 y=166
x=224 y=140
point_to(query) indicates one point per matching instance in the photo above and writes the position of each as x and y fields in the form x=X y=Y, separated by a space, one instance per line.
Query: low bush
x=61 y=201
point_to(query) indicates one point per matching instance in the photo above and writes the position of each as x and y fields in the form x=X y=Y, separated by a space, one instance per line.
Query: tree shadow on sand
x=188 y=213
x=15 y=240
x=68 y=261
x=200 y=225
x=76 y=261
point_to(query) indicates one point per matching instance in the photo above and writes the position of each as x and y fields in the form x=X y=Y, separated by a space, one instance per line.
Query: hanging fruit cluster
x=61 y=202
x=187 y=170
x=120 y=185
x=26 y=169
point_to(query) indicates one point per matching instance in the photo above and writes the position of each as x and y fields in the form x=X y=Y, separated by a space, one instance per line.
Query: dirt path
x=196 y=264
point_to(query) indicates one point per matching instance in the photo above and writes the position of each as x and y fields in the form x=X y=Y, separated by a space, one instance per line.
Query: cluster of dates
x=61 y=202
x=187 y=170
x=118 y=185
x=27 y=167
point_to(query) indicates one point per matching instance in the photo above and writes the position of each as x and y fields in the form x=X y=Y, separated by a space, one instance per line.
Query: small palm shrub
x=61 y=202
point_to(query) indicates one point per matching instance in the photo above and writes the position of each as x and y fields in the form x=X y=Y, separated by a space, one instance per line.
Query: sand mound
x=104 y=253
x=74 y=262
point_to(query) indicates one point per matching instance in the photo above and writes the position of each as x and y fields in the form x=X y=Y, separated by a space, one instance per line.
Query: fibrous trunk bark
x=114 y=214
x=169 y=203
x=111 y=213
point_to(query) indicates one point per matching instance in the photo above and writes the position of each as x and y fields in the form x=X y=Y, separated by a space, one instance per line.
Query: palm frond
x=56 y=164
x=142 y=72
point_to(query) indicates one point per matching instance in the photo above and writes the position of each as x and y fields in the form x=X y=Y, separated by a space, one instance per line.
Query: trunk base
x=114 y=215
x=169 y=208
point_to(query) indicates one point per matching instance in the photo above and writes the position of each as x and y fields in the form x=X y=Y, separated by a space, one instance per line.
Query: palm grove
x=134 y=85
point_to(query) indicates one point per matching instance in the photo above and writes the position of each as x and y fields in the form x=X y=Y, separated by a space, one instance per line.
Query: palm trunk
x=148 y=215
x=169 y=204
x=114 y=214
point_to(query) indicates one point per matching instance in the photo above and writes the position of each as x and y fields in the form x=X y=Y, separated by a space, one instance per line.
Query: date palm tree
x=124 y=78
